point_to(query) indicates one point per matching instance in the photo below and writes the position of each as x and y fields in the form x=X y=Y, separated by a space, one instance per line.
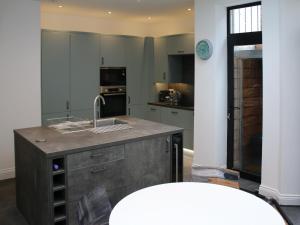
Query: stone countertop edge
x=171 y=106
x=58 y=144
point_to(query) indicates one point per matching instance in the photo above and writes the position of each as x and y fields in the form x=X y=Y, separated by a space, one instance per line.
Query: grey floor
x=9 y=214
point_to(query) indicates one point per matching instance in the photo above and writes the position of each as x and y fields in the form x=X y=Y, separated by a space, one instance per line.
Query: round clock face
x=204 y=49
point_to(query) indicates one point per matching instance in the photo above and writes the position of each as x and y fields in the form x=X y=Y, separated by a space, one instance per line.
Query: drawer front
x=110 y=175
x=95 y=157
x=176 y=117
x=153 y=113
x=115 y=196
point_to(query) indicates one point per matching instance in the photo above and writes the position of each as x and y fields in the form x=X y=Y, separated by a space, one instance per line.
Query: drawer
x=95 y=157
x=153 y=113
x=188 y=139
x=114 y=197
x=110 y=175
x=177 y=117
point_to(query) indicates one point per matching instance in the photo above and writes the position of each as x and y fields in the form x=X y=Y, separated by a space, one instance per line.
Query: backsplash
x=187 y=91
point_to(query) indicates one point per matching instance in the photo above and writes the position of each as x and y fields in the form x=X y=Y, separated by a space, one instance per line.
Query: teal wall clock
x=204 y=49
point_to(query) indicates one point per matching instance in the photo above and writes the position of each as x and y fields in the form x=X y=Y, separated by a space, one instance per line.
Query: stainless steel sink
x=103 y=126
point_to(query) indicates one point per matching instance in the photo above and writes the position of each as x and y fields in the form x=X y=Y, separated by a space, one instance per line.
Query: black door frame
x=233 y=40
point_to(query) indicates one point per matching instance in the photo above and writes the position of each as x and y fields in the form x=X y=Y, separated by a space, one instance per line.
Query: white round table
x=193 y=204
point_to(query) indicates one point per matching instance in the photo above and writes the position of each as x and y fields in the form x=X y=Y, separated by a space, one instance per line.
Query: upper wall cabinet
x=112 y=51
x=180 y=44
x=55 y=72
x=161 y=59
x=166 y=47
x=84 y=79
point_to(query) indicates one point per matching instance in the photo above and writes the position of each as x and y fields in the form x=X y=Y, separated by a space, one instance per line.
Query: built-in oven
x=115 y=101
x=112 y=76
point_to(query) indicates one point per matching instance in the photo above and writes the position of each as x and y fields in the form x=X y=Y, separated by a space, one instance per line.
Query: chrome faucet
x=95 y=110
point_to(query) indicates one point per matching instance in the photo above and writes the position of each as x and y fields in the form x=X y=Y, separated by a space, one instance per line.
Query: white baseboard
x=283 y=199
x=7 y=173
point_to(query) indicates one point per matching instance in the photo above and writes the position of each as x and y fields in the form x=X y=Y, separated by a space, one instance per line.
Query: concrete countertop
x=190 y=108
x=58 y=144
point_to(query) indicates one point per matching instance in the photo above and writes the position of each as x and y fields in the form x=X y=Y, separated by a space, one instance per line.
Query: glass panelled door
x=245 y=85
x=247 y=112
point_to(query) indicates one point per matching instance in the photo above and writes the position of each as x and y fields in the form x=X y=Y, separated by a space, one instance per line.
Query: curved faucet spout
x=95 y=108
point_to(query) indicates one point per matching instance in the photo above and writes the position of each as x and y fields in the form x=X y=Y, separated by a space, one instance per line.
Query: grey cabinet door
x=178 y=117
x=154 y=113
x=85 y=73
x=55 y=72
x=134 y=49
x=180 y=44
x=148 y=162
x=138 y=111
x=161 y=60
x=112 y=51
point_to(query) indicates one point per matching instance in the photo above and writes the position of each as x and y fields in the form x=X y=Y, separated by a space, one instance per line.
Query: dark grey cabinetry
x=55 y=73
x=120 y=169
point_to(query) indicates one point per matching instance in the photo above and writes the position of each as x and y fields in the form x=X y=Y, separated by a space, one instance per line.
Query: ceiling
x=120 y=9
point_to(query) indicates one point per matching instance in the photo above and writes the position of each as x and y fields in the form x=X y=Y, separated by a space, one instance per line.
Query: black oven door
x=112 y=76
x=115 y=105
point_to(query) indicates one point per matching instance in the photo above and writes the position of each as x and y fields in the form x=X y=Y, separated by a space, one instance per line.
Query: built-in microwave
x=112 y=76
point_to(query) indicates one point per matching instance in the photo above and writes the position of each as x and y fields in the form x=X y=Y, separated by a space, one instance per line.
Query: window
x=245 y=19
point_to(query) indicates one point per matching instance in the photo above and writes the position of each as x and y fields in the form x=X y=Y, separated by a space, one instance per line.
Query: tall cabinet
x=84 y=79
x=55 y=74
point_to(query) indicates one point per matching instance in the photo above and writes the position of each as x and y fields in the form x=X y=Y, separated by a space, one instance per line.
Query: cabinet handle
x=67 y=105
x=180 y=51
x=96 y=155
x=168 y=144
x=152 y=109
x=176 y=152
x=102 y=60
x=164 y=76
x=95 y=171
x=174 y=112
x=129 y=99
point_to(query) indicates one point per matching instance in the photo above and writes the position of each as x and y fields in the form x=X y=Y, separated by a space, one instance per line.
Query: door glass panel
x=248 y=108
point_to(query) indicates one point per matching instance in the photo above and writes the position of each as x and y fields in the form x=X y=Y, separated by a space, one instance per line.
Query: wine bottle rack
x=59 y=192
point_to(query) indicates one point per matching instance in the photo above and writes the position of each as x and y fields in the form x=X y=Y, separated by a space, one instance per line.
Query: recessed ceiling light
x=109 y=12
x=149 y=18
x=60 y=6
x=189 y=9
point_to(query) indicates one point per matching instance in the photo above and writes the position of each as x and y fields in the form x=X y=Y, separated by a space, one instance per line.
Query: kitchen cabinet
x=161 y=60
x=112 y=51
x=154 y=113
x=84 y=79
x=134 y=49
x=120 y=168
x=55 y=72
x=151 y=159
x=166 y=68
x=180 y=44
x=174 y=117
x=136 y=111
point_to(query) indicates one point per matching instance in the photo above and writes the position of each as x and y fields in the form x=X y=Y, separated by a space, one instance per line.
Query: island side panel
x=32 y=182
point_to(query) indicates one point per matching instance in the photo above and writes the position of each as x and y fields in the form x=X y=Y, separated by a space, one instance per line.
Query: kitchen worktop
x=52 y=143
x=168 y=105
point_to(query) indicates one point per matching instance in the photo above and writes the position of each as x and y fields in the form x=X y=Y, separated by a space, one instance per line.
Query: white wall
x=19 y=74
x=281 y=155
x=55 y=21
x=281 y=92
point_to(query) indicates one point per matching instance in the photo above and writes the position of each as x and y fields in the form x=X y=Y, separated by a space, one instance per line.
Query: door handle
x=228 y=116
x=102 y=60
x=174 y=112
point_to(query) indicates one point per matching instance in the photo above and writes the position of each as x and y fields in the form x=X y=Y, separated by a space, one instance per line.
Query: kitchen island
x=54 y=170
